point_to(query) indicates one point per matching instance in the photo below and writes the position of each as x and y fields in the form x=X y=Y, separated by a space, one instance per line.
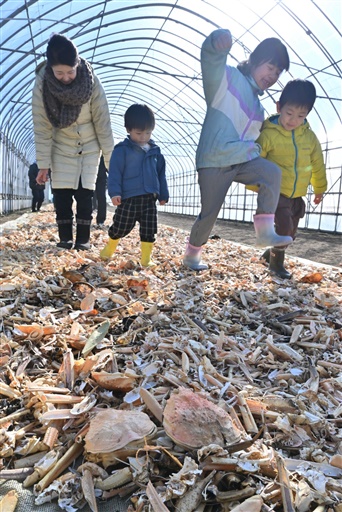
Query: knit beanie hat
x=61 y=50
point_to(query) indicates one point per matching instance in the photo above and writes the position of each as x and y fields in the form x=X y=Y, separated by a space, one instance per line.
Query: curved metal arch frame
x=16 y=116
x=128 y=8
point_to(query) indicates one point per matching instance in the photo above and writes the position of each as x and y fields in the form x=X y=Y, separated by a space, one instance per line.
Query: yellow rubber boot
x=108 y=251
x=146 y=251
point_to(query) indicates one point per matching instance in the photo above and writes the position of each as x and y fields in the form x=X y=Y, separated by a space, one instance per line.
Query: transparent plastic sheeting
x=148 y=52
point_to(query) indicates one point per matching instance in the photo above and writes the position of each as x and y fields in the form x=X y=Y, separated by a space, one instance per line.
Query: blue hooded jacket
x=134 y=172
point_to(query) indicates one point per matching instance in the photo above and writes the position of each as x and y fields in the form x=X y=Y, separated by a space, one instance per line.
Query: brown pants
x=288 y=214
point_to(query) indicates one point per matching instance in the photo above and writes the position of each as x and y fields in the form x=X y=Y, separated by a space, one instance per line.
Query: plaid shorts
x=140 y=209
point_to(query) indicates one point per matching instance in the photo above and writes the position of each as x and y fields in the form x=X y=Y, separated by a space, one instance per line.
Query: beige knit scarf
x=63 y=102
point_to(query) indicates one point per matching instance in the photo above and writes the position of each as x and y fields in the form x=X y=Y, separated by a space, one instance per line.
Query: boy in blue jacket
x=136 y=180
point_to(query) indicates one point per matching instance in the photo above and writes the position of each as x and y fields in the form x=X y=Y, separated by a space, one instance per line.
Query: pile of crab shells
x=217 y=391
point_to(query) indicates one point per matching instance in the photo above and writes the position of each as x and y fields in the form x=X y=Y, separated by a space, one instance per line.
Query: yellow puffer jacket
x=73 y=152
x=298 y=153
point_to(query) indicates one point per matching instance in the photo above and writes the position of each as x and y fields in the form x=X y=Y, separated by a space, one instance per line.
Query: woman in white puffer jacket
x=72 y=128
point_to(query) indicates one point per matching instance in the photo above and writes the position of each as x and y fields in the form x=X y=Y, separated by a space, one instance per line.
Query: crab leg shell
x=248 y=419
x=87 y=484
x=9 y=501
x=253 y=504
x=82 y=433
x=51 y=434
x=47 y=389
x=15 y=474
x=68 y=367
x=185 y=363
x=152 y=404
x=8 y=391
x=190 y=501
x=120 y=491
x=155 y=499
x=57 y=414
x=62 y=399
x=41 y=468
x=13 y=416
x=213 y=381
x=117 y=479
x=74 y=451
x=266 y=465
x=285 y=487
x=29 y=461
x=235 y=495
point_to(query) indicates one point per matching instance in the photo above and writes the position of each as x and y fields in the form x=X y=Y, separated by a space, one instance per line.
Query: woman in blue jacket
x=227 y=150
x=136 y=180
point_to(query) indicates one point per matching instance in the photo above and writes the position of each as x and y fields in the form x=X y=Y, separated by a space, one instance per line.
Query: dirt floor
x=320 y=247
x=323 y=248
x=234 y=319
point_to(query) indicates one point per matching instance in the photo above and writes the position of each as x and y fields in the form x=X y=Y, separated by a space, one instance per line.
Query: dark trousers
x=37 y=198
x=140 y=209
x=63 y=199
x=288 y=214
x=100 y=200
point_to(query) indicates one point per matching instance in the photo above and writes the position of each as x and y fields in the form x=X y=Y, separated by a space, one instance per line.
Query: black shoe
x=277 y=257
x=82 y=247
x=65 y=244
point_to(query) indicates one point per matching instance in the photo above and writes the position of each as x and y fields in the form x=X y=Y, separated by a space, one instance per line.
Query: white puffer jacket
x=75 y=151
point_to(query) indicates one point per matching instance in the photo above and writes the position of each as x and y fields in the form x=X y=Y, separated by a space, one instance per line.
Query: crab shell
x=112 y=429
x=114 y=381
x=192 y=421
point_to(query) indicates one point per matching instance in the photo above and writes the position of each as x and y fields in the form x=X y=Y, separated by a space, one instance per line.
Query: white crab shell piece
x=113 y=429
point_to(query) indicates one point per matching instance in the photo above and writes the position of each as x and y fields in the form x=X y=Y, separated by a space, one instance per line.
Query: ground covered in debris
x=321 y=247
x=325 y=248
x=107 y=367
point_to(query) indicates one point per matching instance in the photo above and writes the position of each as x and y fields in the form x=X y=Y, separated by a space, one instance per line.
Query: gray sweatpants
x=214 y=183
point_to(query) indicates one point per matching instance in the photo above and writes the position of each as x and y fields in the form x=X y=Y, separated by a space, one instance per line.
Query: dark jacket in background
x=37 y=190
x=100 y=194
x=33 y=173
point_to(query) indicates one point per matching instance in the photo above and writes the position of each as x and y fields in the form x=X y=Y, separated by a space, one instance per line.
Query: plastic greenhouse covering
x=148 y=52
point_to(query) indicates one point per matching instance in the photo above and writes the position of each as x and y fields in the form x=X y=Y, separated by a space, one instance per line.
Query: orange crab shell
x=192 y=421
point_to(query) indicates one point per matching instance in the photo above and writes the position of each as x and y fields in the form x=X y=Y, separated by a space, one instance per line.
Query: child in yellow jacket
x=287 y=140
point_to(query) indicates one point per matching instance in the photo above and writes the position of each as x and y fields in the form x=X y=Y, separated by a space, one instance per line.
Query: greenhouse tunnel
x=87 y=340
x=148 y=52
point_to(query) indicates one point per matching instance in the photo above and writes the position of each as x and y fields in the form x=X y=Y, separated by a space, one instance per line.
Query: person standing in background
x=72 y=128
x=37 y=190
x=100 y=194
